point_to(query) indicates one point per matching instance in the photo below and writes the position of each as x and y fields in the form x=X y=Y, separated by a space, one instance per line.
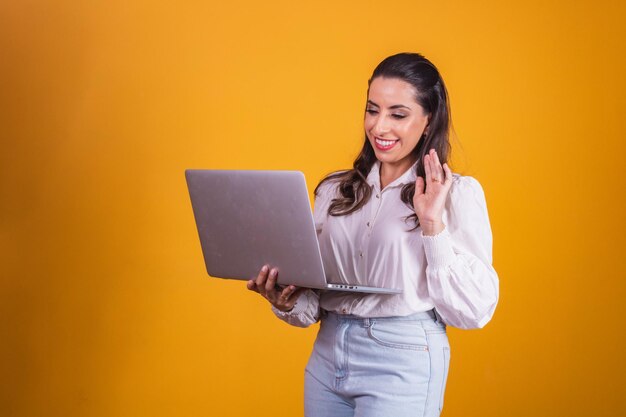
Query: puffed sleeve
x=307 y=308
x=306 y=311
x=462 y=282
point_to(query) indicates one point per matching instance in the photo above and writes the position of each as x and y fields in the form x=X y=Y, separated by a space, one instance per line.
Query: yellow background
x=105 y=307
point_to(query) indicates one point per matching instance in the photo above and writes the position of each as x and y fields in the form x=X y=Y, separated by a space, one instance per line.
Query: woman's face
x=394 y=121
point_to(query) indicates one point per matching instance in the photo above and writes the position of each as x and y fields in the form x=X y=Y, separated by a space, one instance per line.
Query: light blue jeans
x=392 y=366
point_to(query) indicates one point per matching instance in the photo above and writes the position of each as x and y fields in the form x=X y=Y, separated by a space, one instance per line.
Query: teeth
x=385 y=142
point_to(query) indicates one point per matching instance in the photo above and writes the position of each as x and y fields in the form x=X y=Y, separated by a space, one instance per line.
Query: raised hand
x=265 y=284
x=430 y=197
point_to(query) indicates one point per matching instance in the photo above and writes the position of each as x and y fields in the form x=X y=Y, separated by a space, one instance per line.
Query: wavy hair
x=432 y=95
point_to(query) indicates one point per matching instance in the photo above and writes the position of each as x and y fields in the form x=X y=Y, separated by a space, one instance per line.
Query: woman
x=399 y=218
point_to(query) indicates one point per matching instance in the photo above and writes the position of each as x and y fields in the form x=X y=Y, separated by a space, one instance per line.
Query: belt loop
x=438 y=318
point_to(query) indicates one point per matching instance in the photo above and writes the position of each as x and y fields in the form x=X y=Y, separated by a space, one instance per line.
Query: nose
x=381 y=126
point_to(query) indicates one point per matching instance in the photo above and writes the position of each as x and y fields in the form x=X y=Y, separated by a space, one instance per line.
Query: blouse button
x=344 y=311
x=377 y=195
x=368 y=224
x=360 y=254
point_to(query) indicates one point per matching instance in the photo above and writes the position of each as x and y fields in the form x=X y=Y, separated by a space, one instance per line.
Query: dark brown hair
x=432 y=95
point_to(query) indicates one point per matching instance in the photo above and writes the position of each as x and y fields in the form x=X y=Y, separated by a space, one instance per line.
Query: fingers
x=435 y=173
x=270 y=285
x=265 y=284
x=287 y=292
x=288 y=298
x=419 y=186
x=252 y=285
x=428 y=169
x=260 y=280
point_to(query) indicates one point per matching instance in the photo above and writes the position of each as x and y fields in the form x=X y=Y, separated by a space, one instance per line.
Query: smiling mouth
x=385 y=144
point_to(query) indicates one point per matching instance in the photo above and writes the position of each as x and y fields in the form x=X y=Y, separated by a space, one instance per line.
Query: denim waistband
x=425 y=315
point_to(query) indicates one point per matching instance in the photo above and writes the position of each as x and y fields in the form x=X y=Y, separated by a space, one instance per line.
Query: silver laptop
x=247 y=219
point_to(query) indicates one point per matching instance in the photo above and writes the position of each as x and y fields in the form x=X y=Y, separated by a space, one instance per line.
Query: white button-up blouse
x=376 y=246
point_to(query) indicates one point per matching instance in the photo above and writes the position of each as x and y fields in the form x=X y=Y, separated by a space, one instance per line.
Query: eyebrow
x=395 y=106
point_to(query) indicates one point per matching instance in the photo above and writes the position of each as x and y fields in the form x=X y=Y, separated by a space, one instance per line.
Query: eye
x=371 y=111
x=398 y=116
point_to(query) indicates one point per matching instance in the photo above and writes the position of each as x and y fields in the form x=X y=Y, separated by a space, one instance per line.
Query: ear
x=427 y=123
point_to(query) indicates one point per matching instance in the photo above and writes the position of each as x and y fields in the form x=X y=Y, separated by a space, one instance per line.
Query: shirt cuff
x=438 y=249
x=298 y=308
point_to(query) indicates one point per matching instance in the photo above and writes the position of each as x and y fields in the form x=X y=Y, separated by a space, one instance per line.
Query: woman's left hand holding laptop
x=265 y=284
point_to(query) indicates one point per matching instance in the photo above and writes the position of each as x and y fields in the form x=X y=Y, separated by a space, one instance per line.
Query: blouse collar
x=373 y=178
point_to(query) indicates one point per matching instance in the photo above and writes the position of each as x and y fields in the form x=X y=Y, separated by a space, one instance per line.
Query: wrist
x=431 y=227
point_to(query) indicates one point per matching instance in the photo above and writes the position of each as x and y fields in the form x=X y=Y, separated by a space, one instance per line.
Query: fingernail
x=273 y=272
x=264 y=269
